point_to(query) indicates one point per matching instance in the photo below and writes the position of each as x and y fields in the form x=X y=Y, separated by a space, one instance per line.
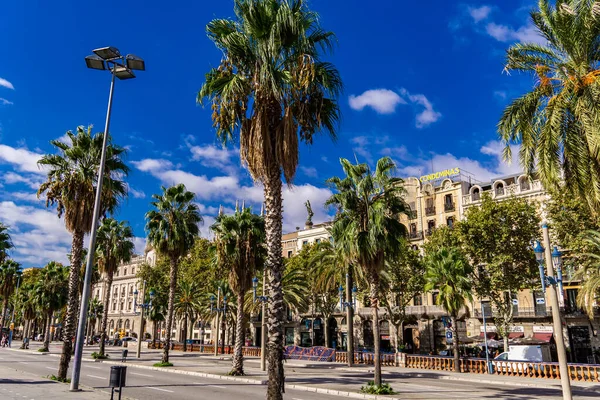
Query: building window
x=430 y=226
x=500 y=190
x=448 y=203
x=129 y=306
x=330 y=239
x=124 y=271
x=525 y=184
x=434 y=297
x=304 y=242
x=117 y=272
x=318 y=241
x=418 y=300
x=476 y=195
x=133 y=271
x=450 y=221
x=429 y=206
x=290 y=252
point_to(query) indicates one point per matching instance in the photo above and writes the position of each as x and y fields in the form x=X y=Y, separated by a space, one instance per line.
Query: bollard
x=117 y=379
x=124 y=355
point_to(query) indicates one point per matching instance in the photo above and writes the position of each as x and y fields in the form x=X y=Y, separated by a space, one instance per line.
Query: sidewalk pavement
x=22 y=385
x=320 y=375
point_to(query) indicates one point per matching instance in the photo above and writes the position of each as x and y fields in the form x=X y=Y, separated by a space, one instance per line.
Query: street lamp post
x=143 y=307
x=485 y=337
x=105 y=58
x=550 y=282
x=263 y=335
x=349 y=306
x=215 y=308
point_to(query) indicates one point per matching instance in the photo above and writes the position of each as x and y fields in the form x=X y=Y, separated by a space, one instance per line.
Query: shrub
x=98 y=356
x=56 y=378
x=163 y=364
x=43 y=350
x=372 y=388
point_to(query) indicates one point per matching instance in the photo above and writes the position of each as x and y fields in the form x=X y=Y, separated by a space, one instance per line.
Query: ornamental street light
x=345 y=304
x=215 y=308
x=544 y=257
x=143 y=307
x=104 y=58
x=349 y=306
x=263 y=334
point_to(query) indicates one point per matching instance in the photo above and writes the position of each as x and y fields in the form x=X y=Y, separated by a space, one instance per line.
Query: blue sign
x=448 y=334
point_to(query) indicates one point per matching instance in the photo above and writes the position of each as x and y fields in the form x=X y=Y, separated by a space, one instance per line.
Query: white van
x=517 y=357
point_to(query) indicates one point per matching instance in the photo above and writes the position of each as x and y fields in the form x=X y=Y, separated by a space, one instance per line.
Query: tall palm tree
x=95 y=311
x=51 y=294
x=556 y=123
x=5 y=242
x=71 y=186
x=187 y=304
x=273 y=89
x=114 y=245
x=172 y=229
x=239 y=242
x=449 y=272
x=10 y=272
x=367 y=227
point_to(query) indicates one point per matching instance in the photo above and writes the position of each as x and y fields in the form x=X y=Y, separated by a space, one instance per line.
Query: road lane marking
x=217 y=386
x=162 y=390
x=52 y=368
x=89 y=366
x=135 y=373
x=23 y=362
x=94 y=376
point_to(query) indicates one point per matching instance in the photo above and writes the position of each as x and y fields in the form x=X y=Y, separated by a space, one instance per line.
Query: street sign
x=540 y=300
x=448 y=334
x=515 y=302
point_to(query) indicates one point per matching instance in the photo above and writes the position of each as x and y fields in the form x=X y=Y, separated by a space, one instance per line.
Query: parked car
x=522 y=359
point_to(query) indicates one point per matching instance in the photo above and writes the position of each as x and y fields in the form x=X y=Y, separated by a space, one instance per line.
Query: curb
x=340 y=393
x=192 y=373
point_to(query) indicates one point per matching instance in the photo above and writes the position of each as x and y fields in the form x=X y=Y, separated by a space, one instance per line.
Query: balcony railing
x=449 y=207
x=430 y=210
x=513 y=189
x=522 y=312
x=417 y=235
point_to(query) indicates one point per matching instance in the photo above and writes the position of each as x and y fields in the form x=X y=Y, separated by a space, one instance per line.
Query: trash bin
x=118 y=375
x=124 y=355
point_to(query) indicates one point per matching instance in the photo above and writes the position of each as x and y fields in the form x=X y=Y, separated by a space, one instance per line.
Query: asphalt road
x=144 y=384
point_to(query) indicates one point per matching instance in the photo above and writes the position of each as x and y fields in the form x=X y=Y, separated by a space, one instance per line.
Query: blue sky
x=423 y=84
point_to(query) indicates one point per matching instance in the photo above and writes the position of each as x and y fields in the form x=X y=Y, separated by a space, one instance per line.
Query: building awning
x=542 y=336
x=490 y=335
x=515 y=335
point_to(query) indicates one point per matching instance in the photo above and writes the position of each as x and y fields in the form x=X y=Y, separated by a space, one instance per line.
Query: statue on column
x=310 y=213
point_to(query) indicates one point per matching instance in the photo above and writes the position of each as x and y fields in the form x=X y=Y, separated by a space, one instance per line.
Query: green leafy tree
x=570 y=221
x=240 y=249
x=5 y=242
x=273 y=89
x=172 y=230
x=187 y=304
x=71 y=186
x=404 y=278
x=114 y=245
x=497 y=237
x=157 y=280
x=449 y=272
x=51 y=293
x=367 y=225
x=556 y=123
x=10 y=273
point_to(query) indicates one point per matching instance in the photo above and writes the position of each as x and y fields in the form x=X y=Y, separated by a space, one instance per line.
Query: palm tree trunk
x=70 y=323
x=326 y=330
x=4 y=310
x=185 y=329
x=238 y=358
x=169 y=327
x=46 y=345
x=275 y=309
x=350 y=319
x=455 y=344
x=373 y=294
x=104 y=336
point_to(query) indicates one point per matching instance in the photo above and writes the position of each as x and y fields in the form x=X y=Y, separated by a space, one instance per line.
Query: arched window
x=524 y=184
x=124 y=271
x=500 y=189
x=476 y=195
x=126 y=324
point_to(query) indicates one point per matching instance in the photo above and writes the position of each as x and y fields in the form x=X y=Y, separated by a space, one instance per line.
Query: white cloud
x=228 y=189
x=426 y=117
x=137 y=194
x=500 y=94
x=497 y=167
x=38 y=234
x=24 y=196
x=309 y=171
x=151 y=164
x=324 y=159
x=399 y=152
x=140 y=245
x=213 y=157
x=479 y=13
x=22 y=159
x=33 y=181
x=524 y=34
x=5 y=102
x=6 y=84
x=383 y=101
